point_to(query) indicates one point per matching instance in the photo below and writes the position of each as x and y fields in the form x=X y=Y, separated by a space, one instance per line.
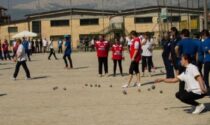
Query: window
x=12 y=29
x=56 y=23
x=143 y=20
x=173 y=19
x=84 y=22
x=36 y=27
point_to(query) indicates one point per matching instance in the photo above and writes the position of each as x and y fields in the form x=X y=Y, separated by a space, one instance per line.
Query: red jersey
x=102 y=48
x=117 y=52
x=135 y=45
x=5 y=46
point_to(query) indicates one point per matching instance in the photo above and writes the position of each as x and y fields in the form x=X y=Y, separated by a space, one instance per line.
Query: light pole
x=205 y=14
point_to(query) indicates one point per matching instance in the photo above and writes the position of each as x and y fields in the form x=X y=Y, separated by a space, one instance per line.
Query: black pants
x=103 y=61
x=86 y=48
x=169 y=67
x=146 y=62
x=23 y=63
x=6 y=55
x=134 y=67
x=70 y=61
x=28 y=54
x=115 y=66
x=52 y=52
x=189 y=97
x=1 y=56
x=60 y=50
x=206 y=73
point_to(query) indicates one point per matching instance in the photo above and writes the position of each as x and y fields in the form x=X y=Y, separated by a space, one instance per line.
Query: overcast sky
x=19 y=8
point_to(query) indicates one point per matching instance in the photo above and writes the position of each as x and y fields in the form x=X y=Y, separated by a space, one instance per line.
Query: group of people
x=182 y=55
x=22 y=52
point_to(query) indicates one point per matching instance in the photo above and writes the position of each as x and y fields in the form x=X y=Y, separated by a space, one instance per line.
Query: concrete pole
x=205 y=14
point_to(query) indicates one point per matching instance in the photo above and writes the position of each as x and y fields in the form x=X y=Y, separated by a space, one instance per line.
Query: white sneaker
x=199 y=109
x=13 y=78
x=125 y=86
x=137 y=85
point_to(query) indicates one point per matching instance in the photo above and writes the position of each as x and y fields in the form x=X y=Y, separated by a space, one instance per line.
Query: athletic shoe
x=137 y=85
x=13 y=78
x=125 y=86
x=199 y=109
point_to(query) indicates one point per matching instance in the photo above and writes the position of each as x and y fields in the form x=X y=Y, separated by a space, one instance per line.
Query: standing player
x=102 y=48
x=135 y=54
x=67 y=53
x=52 y=51
x=21 y=60
x=117 y=56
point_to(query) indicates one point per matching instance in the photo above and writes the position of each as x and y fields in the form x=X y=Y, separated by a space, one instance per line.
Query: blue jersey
x=200 y=50
x=68 y=48
x=25 y=45
x=188 y=46
x=206 y=48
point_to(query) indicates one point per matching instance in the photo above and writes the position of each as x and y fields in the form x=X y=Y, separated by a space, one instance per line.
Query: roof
x=14 y=22
x=74 y=11
x=158 y=9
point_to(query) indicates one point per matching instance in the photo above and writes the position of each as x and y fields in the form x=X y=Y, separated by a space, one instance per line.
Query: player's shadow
x=84 y=67
x=40 y=77
x=148 y=83
x=160 y=67
x=3 y=94
x=159 y=74
x=6 y=68
x=118 y=74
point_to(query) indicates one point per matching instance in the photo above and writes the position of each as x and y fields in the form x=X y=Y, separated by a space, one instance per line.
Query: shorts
x=134 y=67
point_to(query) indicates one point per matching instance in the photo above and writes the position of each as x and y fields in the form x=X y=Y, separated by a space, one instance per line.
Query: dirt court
x=35 y=102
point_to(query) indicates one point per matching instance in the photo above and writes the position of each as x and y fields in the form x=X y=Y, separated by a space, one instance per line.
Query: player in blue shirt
x=206 y=50
x=200 y=55
x=68 y=51
x=26 y=46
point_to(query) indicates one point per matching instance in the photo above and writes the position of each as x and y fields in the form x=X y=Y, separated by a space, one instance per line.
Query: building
x=80 y=23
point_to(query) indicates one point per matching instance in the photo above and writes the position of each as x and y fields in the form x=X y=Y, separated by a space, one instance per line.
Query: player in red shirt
x=102 y=49
x=135 y=54
x=117 y=55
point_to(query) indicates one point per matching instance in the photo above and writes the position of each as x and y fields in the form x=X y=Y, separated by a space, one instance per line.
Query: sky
x=19 y=8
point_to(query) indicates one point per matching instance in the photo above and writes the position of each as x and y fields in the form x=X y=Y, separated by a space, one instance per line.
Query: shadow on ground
x=40 y=77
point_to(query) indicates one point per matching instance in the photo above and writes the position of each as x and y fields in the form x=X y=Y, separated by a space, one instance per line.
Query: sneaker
x=13 y=78
x=199 y=109
x=137 y=85
x=27 y=78
x=125 y=86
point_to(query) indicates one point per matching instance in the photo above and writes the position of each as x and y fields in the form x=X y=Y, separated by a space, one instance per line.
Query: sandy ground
x=35 y=102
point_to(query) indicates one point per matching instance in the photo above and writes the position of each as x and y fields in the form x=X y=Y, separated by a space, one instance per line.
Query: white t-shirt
x=147 y=48
x=44 y=43
x=51 y=45
x=21 y=52
x=128 y=40
x=191 y=84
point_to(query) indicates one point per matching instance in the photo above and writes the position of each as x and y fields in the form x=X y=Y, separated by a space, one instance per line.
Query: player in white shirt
x=195 y=87
x=45 y=44
x=21 y=60
x=52 y=51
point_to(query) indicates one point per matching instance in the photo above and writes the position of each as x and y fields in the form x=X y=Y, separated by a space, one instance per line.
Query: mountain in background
x=19 y=8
